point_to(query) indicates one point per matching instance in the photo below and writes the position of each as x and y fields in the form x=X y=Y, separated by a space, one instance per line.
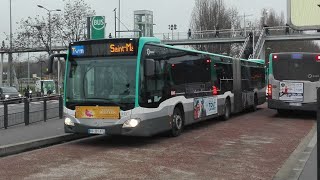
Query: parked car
x=9 y=93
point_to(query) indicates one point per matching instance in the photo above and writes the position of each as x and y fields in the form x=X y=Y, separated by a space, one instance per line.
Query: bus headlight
x=20 y=95
x=6 y=96
x=131 y=123
x=68 y=122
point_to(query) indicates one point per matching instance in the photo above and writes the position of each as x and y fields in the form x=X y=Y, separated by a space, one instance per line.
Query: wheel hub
x=178 y=121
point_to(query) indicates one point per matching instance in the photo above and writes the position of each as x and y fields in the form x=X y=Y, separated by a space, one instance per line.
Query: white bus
x=293 y=81
x=140 y=87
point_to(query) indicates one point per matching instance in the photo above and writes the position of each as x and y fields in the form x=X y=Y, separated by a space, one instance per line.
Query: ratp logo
x=77 y=50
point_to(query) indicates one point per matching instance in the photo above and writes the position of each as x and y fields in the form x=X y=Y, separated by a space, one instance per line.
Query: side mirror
x=51 y=59
x=149 y=67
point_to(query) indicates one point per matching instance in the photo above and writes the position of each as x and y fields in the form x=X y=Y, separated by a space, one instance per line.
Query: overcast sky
x=165 y=11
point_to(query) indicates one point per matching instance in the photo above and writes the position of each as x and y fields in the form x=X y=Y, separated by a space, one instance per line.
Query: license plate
x=295 y=104
x=97 y=131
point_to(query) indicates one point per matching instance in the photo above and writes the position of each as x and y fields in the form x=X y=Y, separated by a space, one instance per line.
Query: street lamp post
x=172 y=27
x=119 y=11
x=115 y=22
x=9 y=77
x=49 y=13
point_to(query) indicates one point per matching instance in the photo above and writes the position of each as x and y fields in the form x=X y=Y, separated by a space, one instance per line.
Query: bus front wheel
x=176 y=123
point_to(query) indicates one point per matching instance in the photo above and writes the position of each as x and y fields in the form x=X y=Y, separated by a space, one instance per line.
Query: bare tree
x=65 y=28
x=213 y=15
x=274 y=19
x=72 y=23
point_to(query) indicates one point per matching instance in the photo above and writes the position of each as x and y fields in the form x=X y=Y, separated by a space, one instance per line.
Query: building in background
x=143 y=21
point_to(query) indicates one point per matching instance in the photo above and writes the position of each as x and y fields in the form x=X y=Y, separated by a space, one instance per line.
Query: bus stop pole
x=318 y=130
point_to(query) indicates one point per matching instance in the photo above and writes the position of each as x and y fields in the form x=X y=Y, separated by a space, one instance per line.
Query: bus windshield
x=102 y=81
x=305 y=69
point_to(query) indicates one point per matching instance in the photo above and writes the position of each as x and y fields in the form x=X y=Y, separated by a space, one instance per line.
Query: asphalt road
x=249 y=146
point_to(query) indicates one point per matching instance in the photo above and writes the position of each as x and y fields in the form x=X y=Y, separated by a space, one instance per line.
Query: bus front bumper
x=277 y=104
x=145 y=128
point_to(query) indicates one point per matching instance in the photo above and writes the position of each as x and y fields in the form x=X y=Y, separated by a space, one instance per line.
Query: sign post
x=318 y=130
x=98 y=27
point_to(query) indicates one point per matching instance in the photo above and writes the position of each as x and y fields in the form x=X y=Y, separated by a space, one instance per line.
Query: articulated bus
x=293 y=81
x=140 y=87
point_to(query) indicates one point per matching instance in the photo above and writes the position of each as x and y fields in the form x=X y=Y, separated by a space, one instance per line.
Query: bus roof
x=260 y=61
x=144 y=40
x=296 y=53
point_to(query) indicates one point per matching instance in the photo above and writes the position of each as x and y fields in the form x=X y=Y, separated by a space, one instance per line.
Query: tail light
x=214 y=90
x=275 y=57
x=269 y=91
x=318 y=58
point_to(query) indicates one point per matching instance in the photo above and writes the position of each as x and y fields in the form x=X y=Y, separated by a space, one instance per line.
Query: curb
x=12 y=149
x=293 y=166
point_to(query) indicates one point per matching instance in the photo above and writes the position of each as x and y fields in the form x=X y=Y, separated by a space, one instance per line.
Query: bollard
x=26 y=111
x=44 y=109
x=5 y=104
x=318 y=131
x=60 y=107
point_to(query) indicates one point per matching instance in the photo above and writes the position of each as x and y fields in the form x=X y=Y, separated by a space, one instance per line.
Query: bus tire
x=255 y=103
x=282 y=112
x=227 y=110
x=177 y=123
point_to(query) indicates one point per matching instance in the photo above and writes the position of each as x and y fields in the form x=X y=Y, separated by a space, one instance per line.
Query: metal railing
x=244 y=46
x=259 y=45
x=223 y=33
x=27 y=111
x=226 y=33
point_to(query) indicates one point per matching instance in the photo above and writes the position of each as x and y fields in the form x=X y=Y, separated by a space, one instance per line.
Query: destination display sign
x=104 y=48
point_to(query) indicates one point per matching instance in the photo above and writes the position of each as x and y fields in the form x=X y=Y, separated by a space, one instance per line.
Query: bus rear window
x=288 y=67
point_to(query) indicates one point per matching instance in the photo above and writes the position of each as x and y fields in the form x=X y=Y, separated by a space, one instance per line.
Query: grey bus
x=293 y=81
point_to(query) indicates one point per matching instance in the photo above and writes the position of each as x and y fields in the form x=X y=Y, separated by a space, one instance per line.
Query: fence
x=27 y=111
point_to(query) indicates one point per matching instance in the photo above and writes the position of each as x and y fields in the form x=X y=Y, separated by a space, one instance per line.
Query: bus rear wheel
x=227 y=110
x=282 y=112
x=255 y=103
x=177 y=123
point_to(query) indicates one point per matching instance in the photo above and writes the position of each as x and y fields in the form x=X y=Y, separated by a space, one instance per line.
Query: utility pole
x=50 y=35
x=119 y=19
x=244 y=22
x=115 y=22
